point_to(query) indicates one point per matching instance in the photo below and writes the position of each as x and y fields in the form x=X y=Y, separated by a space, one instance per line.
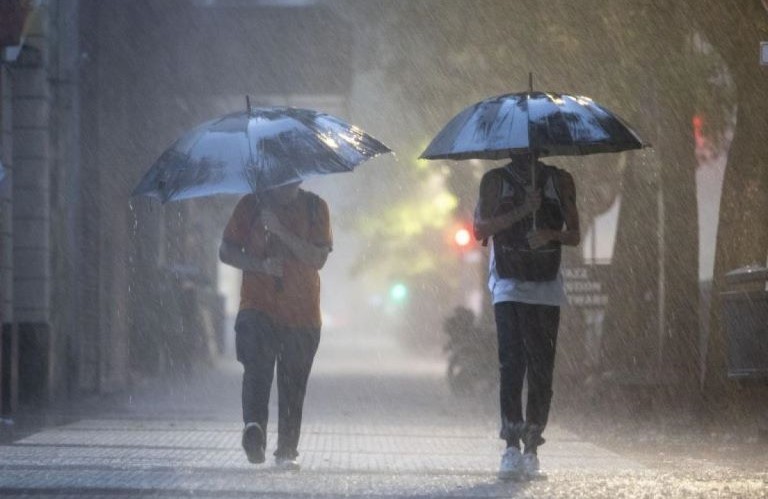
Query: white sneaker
x=511 y=464
x=529 y=466
x=287 y=464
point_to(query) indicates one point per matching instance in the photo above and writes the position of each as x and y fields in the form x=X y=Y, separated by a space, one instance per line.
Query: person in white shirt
x=527 y=227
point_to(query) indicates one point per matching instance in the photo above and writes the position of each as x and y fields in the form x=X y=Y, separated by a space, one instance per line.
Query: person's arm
x=486 y=224
x=571 y=236
x=313 y=255
x=234 y=255
x=233 y=250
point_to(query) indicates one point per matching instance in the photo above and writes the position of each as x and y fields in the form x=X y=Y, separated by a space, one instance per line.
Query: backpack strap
x=313 y=207
x=504 y=177
x=512 y=177
x=554 y=173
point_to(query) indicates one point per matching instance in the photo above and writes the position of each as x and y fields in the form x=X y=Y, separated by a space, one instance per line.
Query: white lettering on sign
x=583 y=291
x=583 y=287
x=577 y=273
x=588 y=300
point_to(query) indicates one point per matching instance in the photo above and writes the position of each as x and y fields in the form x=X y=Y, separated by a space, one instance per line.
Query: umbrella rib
x=326 y=146
x=511 y=124
x=599 y=121
x=188 y=155
x=441 y=136
x=172 y=191
x=564 y=98
x=626 y=129
x=468 y=118
x=531 y=136
x=250 y=153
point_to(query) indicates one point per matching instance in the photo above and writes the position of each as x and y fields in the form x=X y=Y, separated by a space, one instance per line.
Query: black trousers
x=527 y=338
x=261 y=345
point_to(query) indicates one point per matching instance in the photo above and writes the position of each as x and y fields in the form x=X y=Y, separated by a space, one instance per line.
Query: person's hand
x=532 y=201
x=273 y=266
x=539 y=238
x=271 y=222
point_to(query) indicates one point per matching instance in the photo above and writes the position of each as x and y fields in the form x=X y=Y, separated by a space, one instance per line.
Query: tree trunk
x=679 y=317
x=742 y=233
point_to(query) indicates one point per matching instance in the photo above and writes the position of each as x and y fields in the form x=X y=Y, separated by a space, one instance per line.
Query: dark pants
x=527 y=337
x=260 y=344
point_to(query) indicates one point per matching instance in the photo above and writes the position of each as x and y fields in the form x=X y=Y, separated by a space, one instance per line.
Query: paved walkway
x=378 y=423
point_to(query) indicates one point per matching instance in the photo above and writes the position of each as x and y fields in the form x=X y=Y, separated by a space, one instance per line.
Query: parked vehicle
x=471 y=349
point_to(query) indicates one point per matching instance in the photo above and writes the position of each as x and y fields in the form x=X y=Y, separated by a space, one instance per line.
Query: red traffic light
x=459 y=237
x=462 y=237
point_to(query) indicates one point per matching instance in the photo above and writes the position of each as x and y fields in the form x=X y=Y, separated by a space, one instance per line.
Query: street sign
x=764 y=53
x=584 y=288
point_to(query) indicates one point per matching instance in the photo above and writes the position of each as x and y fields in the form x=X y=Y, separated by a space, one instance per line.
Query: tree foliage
x=657 y=63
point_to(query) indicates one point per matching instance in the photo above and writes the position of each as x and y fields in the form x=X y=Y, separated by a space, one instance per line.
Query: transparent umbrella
x=255 y=150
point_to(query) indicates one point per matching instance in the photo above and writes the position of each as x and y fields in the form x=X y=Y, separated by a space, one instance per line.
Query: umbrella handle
x=533 y=157
x=533 y=184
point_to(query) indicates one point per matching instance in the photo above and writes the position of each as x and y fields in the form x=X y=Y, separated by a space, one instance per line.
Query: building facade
x=98 y=289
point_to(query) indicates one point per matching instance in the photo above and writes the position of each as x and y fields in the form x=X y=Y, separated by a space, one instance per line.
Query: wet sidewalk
x=379 y=422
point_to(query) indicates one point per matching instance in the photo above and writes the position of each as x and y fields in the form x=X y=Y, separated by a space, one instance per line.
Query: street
x=378 y=423
x=164 y=164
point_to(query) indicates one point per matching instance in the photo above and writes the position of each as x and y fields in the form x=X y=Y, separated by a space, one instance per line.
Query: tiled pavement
x=378 y=423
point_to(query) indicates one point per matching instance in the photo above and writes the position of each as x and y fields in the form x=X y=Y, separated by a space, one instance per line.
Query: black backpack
x=514 y=256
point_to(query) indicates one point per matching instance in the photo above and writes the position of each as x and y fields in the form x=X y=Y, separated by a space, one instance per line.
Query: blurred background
x=99 y=291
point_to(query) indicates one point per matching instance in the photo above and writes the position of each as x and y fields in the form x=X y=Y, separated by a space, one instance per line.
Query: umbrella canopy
x=256 y=150
x=548 y=124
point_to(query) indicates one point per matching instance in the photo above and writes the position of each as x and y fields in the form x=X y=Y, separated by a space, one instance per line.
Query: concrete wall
x=104 y=288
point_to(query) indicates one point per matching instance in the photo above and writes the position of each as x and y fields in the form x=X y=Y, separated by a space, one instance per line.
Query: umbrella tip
x=248 y=103
x=530 y=81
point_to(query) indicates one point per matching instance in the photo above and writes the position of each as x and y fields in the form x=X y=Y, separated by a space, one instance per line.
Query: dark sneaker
x=287 y=463
x=253 y=443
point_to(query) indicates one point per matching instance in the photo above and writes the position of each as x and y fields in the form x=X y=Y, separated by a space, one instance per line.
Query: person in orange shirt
x=280 y=239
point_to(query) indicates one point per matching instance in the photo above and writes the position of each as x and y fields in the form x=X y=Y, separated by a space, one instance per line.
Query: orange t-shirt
x=294 y=299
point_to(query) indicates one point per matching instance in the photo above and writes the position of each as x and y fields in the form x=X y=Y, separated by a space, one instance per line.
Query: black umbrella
x=542 y=123
x=545 y=123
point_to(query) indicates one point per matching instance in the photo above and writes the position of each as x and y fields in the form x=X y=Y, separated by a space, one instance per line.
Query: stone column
x=65 y=201
x=31 y=106
x=8 y=332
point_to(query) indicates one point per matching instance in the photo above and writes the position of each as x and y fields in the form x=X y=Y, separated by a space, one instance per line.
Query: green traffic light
x=398 y=292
